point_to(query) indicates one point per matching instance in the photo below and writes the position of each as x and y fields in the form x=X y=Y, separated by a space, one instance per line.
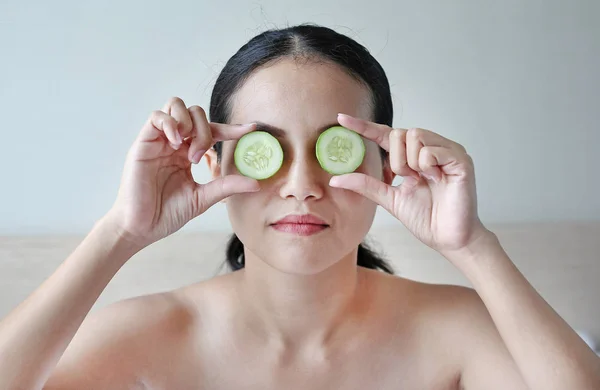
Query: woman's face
x=301 y=100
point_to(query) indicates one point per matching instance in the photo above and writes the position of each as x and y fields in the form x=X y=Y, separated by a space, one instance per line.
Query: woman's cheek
x=350 y=201
x=243 y=203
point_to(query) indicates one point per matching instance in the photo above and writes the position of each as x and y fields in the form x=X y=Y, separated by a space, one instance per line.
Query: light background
x=516 y=82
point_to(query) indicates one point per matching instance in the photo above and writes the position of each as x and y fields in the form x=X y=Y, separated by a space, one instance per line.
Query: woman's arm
x=547 y=351
x=34 y=336
x=157 y=196
x=437 y=202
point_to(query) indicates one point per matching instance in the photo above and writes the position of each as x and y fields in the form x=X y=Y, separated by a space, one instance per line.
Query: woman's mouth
x=301 y=225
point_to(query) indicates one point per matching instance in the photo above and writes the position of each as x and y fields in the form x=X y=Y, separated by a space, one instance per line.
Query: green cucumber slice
x=258 y=155
x=340 y=150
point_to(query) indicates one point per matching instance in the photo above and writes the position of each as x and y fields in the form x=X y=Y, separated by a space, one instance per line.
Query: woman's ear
x=213 y=166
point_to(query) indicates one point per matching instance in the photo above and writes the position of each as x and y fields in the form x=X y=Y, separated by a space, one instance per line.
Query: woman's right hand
x=158 y=194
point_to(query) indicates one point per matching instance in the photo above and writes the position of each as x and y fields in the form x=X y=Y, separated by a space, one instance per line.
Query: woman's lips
x=302 y=225
x=301 y=229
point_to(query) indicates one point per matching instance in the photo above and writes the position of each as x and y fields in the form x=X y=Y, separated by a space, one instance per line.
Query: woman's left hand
x=437 y=199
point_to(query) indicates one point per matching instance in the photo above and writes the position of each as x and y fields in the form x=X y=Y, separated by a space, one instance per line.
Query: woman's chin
x=303 y=250
x=306 y=260
x=298 y=260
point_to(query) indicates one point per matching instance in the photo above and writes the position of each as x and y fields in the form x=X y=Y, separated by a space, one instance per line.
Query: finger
x=374 y=131
x=430 y=138
x=413 y=147
x=435 y=161
x=397 y=155
x=212 y=192
x=226 y=132
x=159 y=124
x=202 y=138
x=178 y=110
x=428 y=162
x=367 y=186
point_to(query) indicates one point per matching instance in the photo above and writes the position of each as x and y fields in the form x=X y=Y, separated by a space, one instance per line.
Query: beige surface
x=561 y=260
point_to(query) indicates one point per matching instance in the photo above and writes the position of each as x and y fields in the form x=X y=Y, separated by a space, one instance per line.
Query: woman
x=298 y=312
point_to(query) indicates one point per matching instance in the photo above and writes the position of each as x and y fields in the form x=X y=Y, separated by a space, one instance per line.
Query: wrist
x=484 y=245
x=115 y=239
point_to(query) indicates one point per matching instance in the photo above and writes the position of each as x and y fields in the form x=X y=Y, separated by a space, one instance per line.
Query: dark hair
x=308 y=42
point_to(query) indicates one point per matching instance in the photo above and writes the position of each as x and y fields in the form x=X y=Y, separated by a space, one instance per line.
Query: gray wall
x=515 y=81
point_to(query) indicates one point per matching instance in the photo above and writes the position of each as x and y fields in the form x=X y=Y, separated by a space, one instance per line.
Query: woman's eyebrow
x=280 y=133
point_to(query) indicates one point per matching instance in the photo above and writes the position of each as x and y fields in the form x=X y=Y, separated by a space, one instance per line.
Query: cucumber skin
x=324 y=163
x=263 y=134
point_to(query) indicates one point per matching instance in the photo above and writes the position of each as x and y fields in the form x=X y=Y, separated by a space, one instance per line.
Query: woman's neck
x=301 y=309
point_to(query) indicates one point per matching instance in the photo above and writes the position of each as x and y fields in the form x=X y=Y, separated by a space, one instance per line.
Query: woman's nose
x=303 y=181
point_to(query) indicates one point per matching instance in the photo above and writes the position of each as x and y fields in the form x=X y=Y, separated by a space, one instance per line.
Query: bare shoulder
x=119 y=346
x=437 y=305
x=434 y=315
x=449 y=315
x=451 y=327
x=427 y=299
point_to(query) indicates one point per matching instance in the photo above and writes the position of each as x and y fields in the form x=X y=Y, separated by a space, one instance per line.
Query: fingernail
x=334 y=181
x=178 y=137
x=197 y=156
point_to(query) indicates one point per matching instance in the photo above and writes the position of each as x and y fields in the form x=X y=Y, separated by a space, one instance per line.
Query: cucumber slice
x=340 y=150
x=258 y=155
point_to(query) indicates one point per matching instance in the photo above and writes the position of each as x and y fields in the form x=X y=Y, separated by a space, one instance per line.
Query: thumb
x=367 y=186
x=207 y=195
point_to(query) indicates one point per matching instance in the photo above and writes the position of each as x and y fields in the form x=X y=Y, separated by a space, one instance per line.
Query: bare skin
x=301 y=314
x=399 y=334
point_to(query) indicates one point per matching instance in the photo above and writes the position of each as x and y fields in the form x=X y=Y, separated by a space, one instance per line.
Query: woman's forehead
x=307 y=95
